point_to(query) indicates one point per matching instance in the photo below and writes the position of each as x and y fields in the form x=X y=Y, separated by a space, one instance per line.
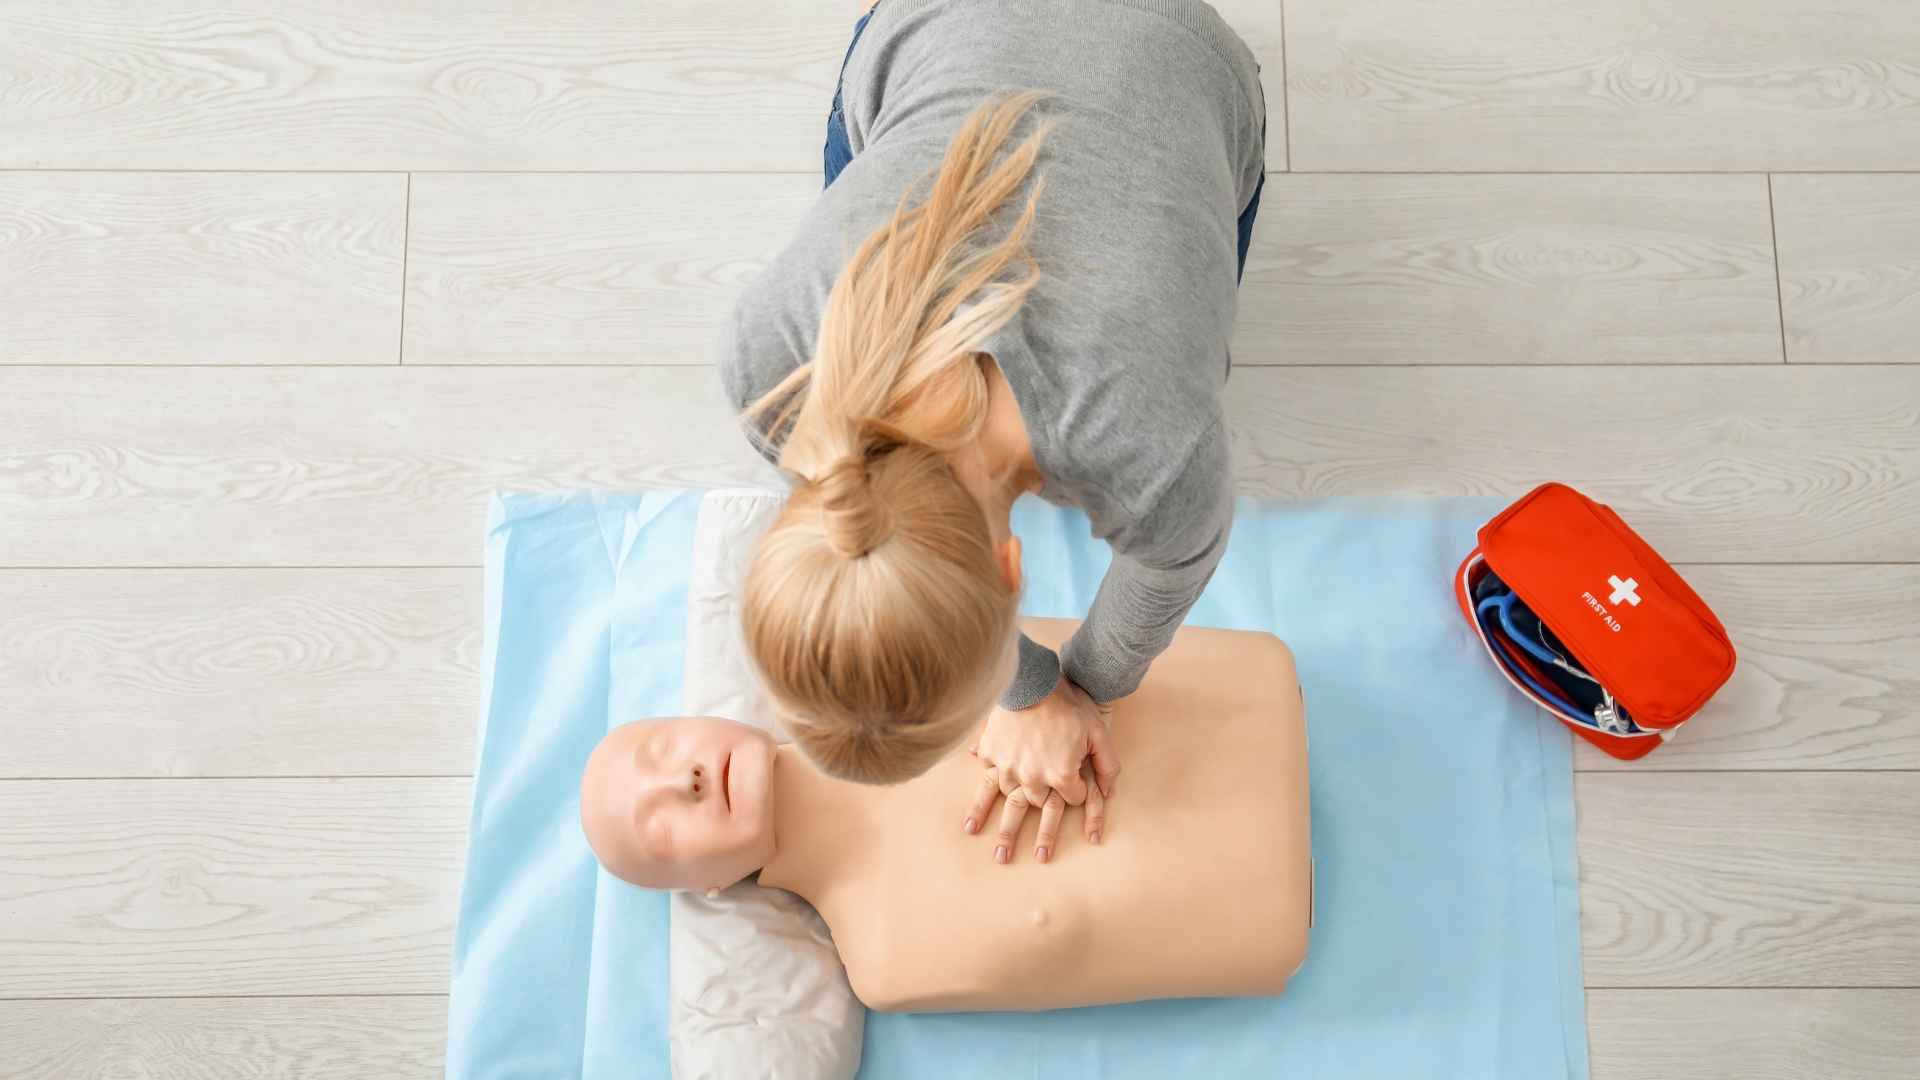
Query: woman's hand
x=1042 y=747
x=1036 y=756
x=1051 y=811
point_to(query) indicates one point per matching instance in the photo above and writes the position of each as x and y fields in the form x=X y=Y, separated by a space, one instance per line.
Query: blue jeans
x=838 y=151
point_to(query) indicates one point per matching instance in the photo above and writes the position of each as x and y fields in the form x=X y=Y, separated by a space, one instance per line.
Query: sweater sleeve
x=1160 y=566
x=764 y=336
x=1039 y=672
x=749 y=357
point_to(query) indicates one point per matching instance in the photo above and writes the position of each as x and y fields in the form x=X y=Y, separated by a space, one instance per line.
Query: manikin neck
x=816 y=824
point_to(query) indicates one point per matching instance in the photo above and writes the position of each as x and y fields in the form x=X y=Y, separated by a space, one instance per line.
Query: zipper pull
x=1607 y=715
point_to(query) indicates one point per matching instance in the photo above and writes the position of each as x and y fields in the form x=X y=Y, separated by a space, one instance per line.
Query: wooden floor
x=286 y=288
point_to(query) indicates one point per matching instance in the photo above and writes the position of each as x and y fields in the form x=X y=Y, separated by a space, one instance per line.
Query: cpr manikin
x=1201 y=885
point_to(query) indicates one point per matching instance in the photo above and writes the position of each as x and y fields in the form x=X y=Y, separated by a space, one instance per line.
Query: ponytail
x=875 y=609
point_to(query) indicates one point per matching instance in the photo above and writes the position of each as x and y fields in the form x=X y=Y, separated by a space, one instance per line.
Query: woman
x=1050 y=315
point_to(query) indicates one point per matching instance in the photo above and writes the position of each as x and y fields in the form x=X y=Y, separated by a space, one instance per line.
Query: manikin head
x=685 y=803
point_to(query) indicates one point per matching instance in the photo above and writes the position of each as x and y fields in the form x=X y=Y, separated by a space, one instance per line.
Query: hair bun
x=857 y=519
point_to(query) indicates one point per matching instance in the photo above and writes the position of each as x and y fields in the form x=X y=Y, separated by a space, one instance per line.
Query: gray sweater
x=1119 y=356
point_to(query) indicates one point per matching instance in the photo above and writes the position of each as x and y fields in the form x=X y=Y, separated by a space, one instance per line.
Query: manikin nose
x=698 y=782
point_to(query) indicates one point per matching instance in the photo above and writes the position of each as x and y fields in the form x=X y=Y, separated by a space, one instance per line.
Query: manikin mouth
x=726 y=781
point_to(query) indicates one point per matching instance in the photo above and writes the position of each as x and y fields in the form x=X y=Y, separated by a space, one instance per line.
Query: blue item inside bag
x=1555 y=675
x=1446 y=941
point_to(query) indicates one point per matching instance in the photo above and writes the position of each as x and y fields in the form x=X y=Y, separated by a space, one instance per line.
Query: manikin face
x=680 y=804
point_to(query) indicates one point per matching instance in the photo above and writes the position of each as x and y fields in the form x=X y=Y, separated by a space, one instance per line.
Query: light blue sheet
x=1447 y=942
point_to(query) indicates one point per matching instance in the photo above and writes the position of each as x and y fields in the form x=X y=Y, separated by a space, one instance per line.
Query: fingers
x=1096 y=814
x=1070 y=786
x=1011 y=816
x=1051 y=812
x=1012 y=779
x=985 y=792
x=1106 y=764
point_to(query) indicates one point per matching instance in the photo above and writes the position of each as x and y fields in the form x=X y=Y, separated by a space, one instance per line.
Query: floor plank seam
x=271 y=568
x=1779 y=293
x=1798 y=770
x=1286 y=92
x=428 y=994
x=43 y=568
x=1907 y=171
x=642 y=365
x=311 y=777
x=230 y=997
x=406 y=251
x=1766 y=989
x=252 y=777
x=358 y=567
x=1607 y=172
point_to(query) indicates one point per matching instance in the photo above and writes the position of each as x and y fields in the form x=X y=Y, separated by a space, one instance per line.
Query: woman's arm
x=1160 y=566
x=762 y=339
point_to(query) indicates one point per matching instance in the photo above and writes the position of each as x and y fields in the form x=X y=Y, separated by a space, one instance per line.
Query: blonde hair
x=875 y=607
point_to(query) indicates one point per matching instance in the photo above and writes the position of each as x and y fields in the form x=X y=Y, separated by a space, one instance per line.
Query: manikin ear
x=1008 y=552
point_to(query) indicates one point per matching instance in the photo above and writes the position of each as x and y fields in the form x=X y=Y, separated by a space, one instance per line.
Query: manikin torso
x=1201 y=887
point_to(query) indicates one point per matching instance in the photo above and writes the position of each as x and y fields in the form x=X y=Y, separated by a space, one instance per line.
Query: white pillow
x=758 y=987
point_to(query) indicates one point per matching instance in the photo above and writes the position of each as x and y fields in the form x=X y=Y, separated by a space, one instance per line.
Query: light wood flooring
x=287 y=287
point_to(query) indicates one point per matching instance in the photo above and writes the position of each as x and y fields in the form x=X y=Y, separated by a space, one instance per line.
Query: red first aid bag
x=1582 y=616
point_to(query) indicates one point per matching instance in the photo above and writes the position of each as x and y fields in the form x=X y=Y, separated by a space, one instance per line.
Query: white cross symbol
x=1623 y=590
